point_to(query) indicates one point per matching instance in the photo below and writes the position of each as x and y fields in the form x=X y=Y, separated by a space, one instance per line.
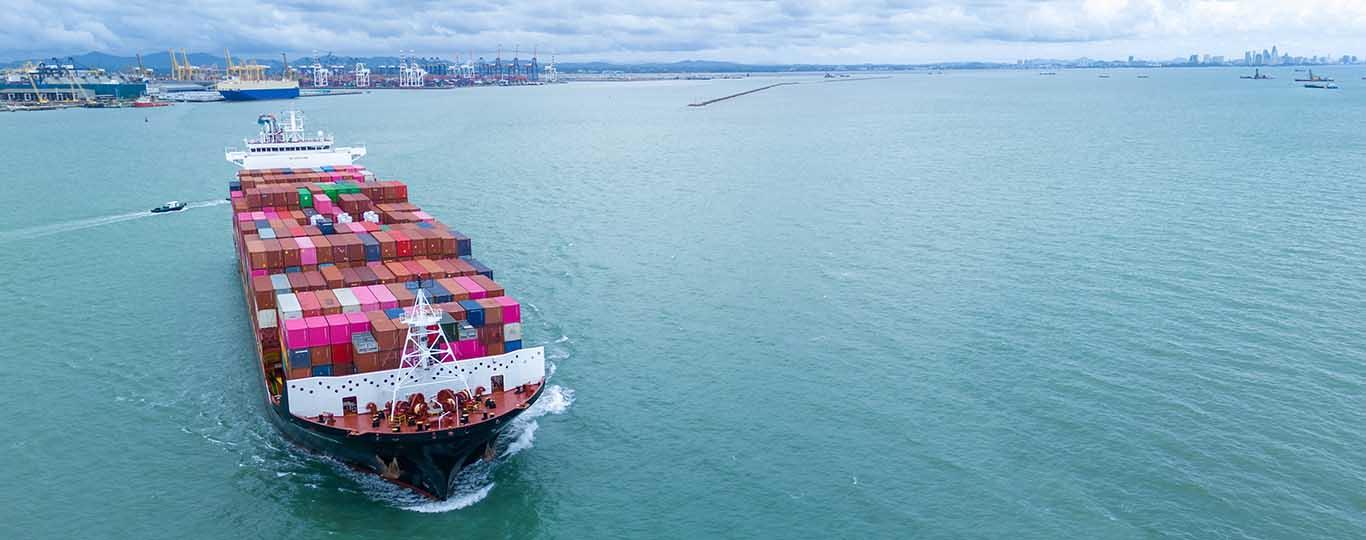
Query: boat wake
x=40 y=231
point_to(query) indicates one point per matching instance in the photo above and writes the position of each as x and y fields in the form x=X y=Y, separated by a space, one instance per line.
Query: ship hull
x=426 y=462
x=259 y=94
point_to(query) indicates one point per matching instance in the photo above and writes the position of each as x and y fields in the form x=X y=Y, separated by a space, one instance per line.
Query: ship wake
x=40 y=231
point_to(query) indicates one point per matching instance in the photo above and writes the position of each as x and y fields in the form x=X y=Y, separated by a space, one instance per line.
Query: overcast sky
x=850 y=31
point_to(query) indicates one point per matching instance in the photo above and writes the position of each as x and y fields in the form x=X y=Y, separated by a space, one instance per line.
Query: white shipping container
x=512 y=331
x=348 y=300
x=265 y=319
x=288 y=305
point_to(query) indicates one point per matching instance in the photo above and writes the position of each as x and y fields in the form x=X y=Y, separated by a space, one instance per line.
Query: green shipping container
x=305 y=198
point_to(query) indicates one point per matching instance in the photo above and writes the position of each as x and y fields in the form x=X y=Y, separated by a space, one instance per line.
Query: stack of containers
x=325 y=289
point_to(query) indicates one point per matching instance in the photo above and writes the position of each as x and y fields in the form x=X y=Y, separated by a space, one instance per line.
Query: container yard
x=59 y=84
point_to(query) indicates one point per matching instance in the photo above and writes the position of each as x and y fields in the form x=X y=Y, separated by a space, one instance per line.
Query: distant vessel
x=240 y=90
x=1048 y=73
x=1256 y=74
x=1322 y=85
x=149 y=101
x=1314 y=78
x=1142 y=76
x=1105 y=75
x=248 y=82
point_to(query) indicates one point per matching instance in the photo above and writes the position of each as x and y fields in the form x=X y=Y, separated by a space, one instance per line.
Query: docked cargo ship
x=248 y=90
x=380 y=340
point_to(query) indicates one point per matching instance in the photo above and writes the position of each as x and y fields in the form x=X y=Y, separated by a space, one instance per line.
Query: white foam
x=87 y=223
x=460 y=500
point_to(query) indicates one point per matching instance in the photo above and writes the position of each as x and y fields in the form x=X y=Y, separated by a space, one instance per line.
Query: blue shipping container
x=322 y=371
x=512 y=346
x=299 y=358
x=474 y=313
x=479 y=267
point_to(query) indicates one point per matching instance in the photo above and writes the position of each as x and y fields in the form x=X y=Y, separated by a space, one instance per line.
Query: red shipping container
x=332 y=276
x=366 y=274
x=400 y=272
x=263 y=292
x=434 y=270
x=308 y=303
x=491 y=287
x=388 y=249
x=418 y=239
x=341 y=353
x=323 y=248
x=315 y=280
x=493 y=311
x=457 y=292
x=300 y=373
x=320 y=356
x=404 y=246
x=328 y=301
x=343 y=369
x=297 y=281
x=382 y=273
x=416 y=270
x=349 y=277
x=402 y=294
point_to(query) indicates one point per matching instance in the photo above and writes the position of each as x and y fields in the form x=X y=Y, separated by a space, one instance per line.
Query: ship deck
x=362 y=422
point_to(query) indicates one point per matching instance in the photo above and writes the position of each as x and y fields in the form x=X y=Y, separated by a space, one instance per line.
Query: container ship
x=381 y=341
x=249 y=90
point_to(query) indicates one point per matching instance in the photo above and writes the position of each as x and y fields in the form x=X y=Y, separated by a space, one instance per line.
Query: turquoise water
x=976 y=305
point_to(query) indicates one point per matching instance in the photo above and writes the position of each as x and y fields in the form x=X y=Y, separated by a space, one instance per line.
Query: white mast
x=428 y=359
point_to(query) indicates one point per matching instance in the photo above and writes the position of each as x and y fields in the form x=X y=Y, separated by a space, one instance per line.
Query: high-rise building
x=1247 y=58
x=1275 y=56
x=1194 y=59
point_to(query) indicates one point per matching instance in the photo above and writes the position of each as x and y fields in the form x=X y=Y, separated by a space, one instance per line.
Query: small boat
x=1142 y=76
x=170 y=206
x=1104 y=75
x=1323 y=85
x=1256 y=75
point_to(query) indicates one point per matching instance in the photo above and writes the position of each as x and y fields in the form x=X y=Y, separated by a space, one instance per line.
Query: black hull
x=426 y=461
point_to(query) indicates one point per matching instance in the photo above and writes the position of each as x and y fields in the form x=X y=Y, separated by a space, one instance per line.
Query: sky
x=781 y=31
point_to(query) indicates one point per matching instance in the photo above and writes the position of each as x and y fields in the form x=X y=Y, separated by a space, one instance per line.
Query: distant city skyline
x=779 y=32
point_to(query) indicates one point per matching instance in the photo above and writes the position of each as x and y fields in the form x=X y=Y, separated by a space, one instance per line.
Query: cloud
x=626 y=30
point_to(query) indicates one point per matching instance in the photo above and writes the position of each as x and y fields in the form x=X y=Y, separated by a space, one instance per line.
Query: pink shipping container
x=337 y=329
x=422 y=216
x=473 y=288
x=243 y=216
x=317 y=331
x=258 y=215
x=367 y=299
x=357 y=323
x=260 y=272
x=308 y=253
x=296 y=334
x=384 y=296
x=512 y=311
x=467 y=349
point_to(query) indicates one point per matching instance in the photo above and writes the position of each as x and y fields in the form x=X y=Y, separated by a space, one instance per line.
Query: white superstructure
x=283 y=144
